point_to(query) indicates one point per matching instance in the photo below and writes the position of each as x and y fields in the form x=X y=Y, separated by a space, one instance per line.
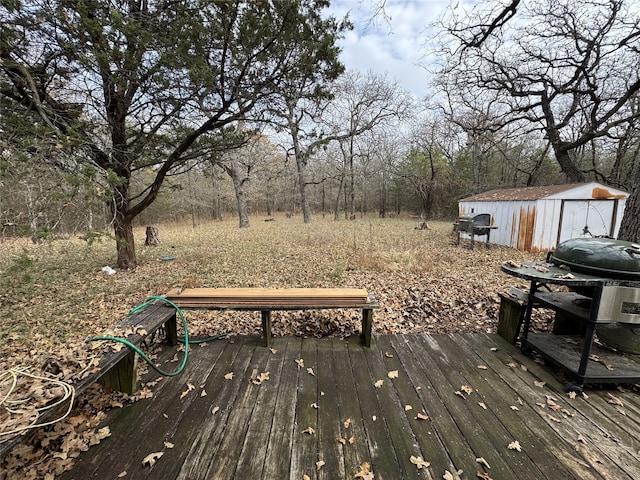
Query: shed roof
x=526 y=193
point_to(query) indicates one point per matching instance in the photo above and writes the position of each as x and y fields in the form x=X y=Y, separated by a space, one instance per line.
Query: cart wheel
x=572 y=387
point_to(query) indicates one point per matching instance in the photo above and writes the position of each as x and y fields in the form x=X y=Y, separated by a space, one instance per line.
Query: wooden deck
x=478 y=402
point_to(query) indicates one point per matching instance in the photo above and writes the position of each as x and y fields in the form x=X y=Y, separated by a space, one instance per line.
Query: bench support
x=122 y=377
x=266 y=327
x=367 y=323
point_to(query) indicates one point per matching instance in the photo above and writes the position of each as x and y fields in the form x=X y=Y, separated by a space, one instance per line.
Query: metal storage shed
x=537 y=219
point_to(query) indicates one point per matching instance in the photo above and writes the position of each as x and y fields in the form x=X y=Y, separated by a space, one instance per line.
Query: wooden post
x=153 y=238
x=367 y=323
x=122 y=377
x=266 y=327
x=171 y=328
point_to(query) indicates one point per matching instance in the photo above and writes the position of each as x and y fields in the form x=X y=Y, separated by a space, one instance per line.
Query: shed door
x=587 y=218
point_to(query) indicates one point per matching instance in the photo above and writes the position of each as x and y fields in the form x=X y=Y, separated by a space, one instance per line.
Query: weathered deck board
x=243 y=430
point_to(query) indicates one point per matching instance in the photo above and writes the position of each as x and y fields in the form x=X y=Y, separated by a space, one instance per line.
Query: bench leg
x=171 y=327
x=122 y=376
x=367 y=323
x=266 y=327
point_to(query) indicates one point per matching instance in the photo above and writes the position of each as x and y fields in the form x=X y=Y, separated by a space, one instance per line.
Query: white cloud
x=392 y=42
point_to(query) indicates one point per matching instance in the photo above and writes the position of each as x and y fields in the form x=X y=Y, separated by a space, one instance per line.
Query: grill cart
x=475 y=224
x=602 y=296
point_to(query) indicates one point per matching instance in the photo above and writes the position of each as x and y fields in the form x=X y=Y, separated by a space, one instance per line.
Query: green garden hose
x=184 y=340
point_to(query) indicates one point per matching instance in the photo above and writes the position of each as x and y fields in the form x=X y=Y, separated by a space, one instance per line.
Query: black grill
x=476 y=223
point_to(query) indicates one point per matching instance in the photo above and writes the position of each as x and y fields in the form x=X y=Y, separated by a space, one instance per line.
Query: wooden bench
x=267 y=300
x=114 y=369
x=117 y=369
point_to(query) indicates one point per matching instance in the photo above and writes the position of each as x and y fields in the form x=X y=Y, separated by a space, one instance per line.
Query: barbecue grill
x=475 y=224
x=603 y=276
x=599 y=256
x=615 y=259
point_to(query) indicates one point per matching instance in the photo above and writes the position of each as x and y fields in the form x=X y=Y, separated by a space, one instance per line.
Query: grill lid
x=481 y=219
x=599 y=256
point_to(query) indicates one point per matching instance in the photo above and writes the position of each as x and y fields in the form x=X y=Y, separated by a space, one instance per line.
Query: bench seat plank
x=267 y=300
x=270 y=297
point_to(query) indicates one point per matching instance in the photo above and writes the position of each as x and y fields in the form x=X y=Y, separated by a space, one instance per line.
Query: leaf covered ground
x=55 y=295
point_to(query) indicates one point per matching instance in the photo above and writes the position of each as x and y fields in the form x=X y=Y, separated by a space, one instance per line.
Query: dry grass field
x=54 y=295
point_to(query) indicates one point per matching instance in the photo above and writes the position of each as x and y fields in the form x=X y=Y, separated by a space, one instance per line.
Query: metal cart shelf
x=577 y=355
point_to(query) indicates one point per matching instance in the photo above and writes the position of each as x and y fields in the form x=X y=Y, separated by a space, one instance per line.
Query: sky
x=394 y=43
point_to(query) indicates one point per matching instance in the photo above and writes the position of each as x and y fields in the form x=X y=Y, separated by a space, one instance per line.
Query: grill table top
x=556 y=275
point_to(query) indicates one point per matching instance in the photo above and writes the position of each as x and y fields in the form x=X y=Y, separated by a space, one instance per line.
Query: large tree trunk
x=302 y=181
x=630 y=227
x=125 y=245
x=239 y=178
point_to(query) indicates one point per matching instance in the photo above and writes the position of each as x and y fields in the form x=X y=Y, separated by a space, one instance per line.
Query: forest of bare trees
x=96 y=138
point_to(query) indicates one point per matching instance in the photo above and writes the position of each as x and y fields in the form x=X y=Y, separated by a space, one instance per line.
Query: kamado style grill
x=599 y=256
x=614 y=259
x=475 y=224
x=603 y=276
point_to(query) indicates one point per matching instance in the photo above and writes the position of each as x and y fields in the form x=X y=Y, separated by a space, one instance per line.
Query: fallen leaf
x=483 y=476
x=310 y=431
x=263 y=377
x=365 y=472
x=482 y=461
x=229 y=376
x=482 y=367
x=352 y=440
x=343 y=441
x=168 y=444
x=310 y=371
x=347 y=423
x=460 y=394
x=214 y=410
x=407 y=408
x=447 y=475
x=614 y=400
x=553 y=419
x=572 y=395
x=273 y=350
x=306 y=477
x=494 y=349
x=467 y=389
x=515 y=445
x=315 y=405
x=374 y=418
x=419 y=462
x=152 y=458
x=203 y=393
x=300 y=362
x=378 y=384
x=482 y=405
x=422 y=416
x=539 y=383
x=319 y=464
x=122 y=474
x=393 y=374
x=513 y=407
x=388 y=354
x=551 y=403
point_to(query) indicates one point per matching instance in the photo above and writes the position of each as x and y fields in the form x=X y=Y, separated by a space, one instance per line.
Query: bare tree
x=363 y=103
x=565 y=68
